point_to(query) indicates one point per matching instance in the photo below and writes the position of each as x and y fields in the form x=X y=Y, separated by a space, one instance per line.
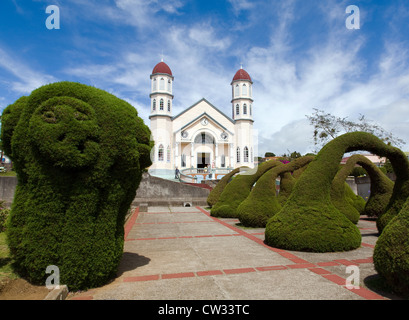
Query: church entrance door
x=203 y=159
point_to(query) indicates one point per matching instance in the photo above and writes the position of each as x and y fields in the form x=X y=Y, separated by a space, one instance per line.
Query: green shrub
x=238 y=189
x=391 y=253
x=4 y=213
x=262 y=203
x=309 y=221
x=214 y=195
x=352 y=205
x=78 y=152
x=287 y=182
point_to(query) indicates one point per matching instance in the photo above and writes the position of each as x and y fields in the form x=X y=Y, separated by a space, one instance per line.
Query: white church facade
x=201 y=138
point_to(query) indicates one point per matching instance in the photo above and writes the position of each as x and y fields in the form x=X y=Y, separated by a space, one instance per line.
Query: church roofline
x=208 y=116
x=203 y=99
x=162 y=74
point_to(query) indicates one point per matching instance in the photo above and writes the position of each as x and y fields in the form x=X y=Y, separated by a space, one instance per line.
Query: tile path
x=179 y=253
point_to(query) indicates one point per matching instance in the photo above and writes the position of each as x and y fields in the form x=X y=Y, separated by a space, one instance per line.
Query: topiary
x=309 y=221
x=238 y=189
x=215 y=193
x=262 y=203
x=344 y=198
x=391 y=253
x=287 y=182
x=381 y=188
x=78 y=152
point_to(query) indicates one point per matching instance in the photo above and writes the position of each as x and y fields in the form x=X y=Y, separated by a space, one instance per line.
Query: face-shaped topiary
x=79 y=153
x=66 y=132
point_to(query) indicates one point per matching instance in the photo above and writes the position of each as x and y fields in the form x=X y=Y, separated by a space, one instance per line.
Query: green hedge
x=391 y=253
x=309 y=221
x=287 y=182
x=381 y=188
x=214 y=195
x=78 y=152
x=262 y=203
x=238 y=189
x=342 y=195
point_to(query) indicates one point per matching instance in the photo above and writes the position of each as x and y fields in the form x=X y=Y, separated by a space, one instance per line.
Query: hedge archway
x=79 y=153
x=344 y=199
x=238 y=189
x=309 y=221
x=381 y=186
x=214 y=195
x=262 y=202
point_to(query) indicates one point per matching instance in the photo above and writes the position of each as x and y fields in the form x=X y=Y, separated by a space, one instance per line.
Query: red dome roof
x=162 y=67
x=241 y=74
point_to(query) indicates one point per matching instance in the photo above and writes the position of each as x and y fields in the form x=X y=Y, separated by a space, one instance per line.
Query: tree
x=328 y=127
x=269 y=154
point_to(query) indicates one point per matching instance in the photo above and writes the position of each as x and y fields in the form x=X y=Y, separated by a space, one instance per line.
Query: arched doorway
x=204 y=150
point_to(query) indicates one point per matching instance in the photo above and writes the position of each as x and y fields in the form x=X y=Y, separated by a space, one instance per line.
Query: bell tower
x=161 y=118
x=242 y=114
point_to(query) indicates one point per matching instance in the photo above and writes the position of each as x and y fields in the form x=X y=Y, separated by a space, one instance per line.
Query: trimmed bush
x=381 y=189
x=352 y=205
x=78 y=153
x=309 y=221
x=214 y=195
x=287 y=182
x=238 y=190
x=355 y=200
x=262 y=203
x=391 y=253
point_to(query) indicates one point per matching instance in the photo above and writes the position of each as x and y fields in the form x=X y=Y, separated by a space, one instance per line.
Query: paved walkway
x=181 y=253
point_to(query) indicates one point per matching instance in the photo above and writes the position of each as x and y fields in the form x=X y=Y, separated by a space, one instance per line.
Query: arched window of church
x=238 y=154
x=161 y=104
x=160 y=153
x=244 y=90
x=237 y=109
x=168 y=154
x=245 y=109
x=154 y=105
x=155 y=84
x=169 y=86
x=162 y=84
x=250 y=110
x=223 y=164
x=169 y=105
x=246 y=154
x=236 y=90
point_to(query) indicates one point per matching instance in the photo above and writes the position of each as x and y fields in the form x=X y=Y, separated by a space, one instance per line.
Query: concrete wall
x=155 y=191
x=152 y=191
x=7 y=188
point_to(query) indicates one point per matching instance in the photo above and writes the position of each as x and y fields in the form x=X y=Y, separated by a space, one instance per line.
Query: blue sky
x=299 y=54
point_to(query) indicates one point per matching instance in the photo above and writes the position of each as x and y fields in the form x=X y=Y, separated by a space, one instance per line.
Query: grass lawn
x=6 y=270
x=8 y=174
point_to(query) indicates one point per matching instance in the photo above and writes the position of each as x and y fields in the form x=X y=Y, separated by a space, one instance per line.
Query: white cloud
x=240 y=5
x=27 y=79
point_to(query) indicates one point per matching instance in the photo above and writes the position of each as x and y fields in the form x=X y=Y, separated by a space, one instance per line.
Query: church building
x=200 y=138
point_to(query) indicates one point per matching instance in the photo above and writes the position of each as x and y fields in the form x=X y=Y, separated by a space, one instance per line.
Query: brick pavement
x=179 y=253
